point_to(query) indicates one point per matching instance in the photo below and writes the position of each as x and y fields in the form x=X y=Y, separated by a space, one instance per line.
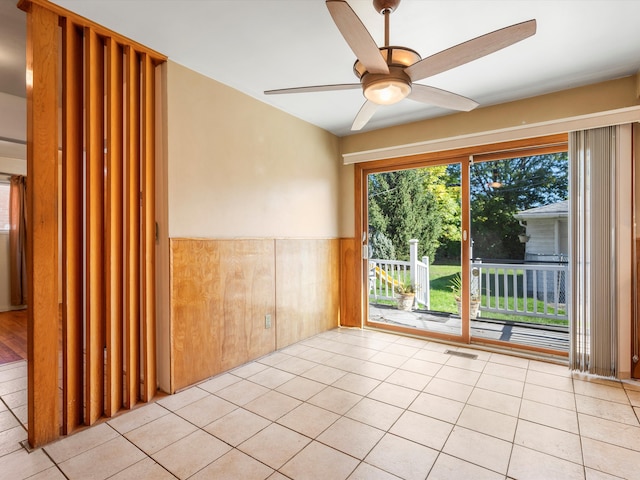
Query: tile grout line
x=339 y=349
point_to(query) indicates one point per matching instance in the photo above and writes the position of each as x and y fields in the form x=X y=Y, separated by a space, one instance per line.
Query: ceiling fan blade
x=364 y=115
x=314 y=88
x=357 y=36
x=441 y=98
x=470 y=50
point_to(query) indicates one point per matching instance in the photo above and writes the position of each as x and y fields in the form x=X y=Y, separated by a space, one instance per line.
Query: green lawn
x=440 y=277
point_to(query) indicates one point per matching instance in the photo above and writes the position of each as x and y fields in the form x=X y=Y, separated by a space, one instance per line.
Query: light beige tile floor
x=357 y=405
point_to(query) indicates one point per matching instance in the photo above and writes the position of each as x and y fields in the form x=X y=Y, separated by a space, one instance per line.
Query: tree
x=451 y=211
x=381 y=246
x=424 y=203
x=501 y=188
x=410 y=204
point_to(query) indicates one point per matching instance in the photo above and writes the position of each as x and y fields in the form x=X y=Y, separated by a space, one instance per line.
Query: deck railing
x=535 y=290
x=385 y=275
x=522 y=289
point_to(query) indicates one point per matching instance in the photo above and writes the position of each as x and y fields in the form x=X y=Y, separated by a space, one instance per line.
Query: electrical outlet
x=267 y=321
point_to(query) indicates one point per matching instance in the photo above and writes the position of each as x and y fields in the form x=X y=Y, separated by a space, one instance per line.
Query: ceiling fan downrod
x=385 y=8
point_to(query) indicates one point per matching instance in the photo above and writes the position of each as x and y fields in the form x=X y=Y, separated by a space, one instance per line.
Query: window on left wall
x=4 y=206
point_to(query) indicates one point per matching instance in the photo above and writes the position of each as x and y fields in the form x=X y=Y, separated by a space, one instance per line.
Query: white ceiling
x=256 y=45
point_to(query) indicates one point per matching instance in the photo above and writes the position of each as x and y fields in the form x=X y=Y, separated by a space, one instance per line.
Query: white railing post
x=426 y=287
x=413 y=260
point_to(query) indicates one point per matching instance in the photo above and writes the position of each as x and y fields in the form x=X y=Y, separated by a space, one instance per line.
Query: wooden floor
x=13 y=336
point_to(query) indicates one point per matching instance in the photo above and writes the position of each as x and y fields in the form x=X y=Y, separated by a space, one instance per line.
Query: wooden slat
x=72 y=226
x=148 y=230
x=94 y=333
x=42 y=225
x=102 y=289
x=114 y=222
x=132 y=229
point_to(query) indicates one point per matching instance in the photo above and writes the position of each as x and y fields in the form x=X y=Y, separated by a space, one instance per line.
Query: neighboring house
x=546 y=231
x=547 y=241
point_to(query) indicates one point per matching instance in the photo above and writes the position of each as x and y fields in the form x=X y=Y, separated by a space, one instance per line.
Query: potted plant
x=406 y=294
x=474 y=300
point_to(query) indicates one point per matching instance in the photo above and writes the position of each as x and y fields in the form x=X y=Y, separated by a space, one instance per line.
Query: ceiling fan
x=387 y=74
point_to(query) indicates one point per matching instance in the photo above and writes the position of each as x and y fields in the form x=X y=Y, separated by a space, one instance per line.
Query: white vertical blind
x=593 y=163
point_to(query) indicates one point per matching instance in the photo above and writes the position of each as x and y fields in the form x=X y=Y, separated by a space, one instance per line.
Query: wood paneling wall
x=108 y=138
x=307 y=288
x=221 y=291
x=351 y=292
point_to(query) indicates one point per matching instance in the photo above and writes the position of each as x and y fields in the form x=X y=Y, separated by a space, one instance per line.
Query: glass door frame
x=364 y=172
x=465 y=157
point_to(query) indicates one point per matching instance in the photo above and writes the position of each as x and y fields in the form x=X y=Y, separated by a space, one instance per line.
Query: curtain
x=593 y=161
x=18 y=239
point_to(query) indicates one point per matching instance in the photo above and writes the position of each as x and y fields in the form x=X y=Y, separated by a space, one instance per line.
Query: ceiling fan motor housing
x=394 y=56
x=385 y=5
x=388 y=88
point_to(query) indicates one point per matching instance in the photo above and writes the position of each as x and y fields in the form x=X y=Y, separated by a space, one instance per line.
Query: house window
x=4 y=206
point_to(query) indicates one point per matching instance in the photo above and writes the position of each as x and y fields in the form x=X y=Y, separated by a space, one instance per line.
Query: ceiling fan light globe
x=387 y=92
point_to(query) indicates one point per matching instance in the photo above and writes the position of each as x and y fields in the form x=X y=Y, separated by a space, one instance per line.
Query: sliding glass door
x=471 y=247
x=520 y=250
x=414 y=219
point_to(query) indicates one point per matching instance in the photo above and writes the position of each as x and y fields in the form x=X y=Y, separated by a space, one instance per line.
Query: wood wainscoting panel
x=307 y=288
x=221 y=291
x=351 y=292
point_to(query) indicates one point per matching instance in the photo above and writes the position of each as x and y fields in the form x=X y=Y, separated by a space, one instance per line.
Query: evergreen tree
x=409 y=204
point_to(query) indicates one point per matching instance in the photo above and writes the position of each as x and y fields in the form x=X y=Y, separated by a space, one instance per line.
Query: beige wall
x=240 y=168
x=13 y=120
x=347 y=201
